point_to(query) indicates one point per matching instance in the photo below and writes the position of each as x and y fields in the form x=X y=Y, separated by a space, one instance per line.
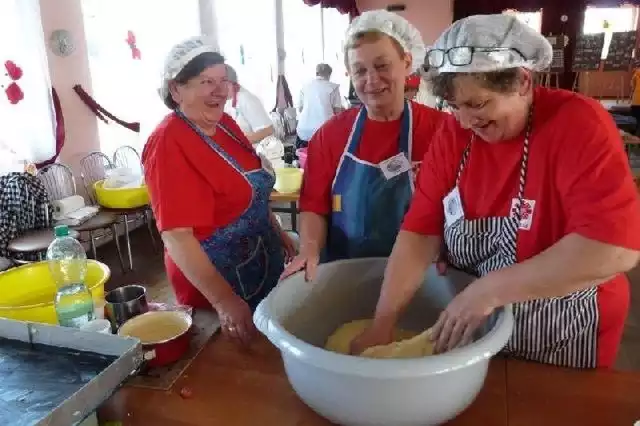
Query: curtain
x=343 y=6
x=248 y=43
x=27 y=129
x=127 y=43
x=302 y=43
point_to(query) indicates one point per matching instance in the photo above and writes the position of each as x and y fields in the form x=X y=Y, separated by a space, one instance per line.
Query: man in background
x=319 y=100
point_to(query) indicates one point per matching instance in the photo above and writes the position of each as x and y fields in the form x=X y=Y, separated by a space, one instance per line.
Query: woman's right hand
x=308 y=259
x=236 y=319
x=374 y=335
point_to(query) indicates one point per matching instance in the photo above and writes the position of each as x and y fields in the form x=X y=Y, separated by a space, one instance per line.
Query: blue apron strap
x=356 y=133
x=217 y=148
x=406 y=130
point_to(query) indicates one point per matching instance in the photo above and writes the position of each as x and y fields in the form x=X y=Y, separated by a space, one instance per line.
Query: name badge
x=452 y=204
x=526 y=212
x=394 y=166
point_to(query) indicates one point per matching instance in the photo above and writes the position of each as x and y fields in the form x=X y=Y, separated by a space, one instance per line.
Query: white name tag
x=394 y=166
x=452 y=204
x=526 y=212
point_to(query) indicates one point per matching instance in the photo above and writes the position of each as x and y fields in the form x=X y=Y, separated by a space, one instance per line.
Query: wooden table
x=230 y=386
x=292 y=209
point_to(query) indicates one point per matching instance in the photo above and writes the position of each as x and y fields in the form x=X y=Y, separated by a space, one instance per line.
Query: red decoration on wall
x=13 y=91
x=343 y=6
x=131 y=41
x=60 y=130
x=101 y=112
x=13 y=71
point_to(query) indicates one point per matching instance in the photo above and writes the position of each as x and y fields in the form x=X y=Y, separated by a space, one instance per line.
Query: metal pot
x=164 y=335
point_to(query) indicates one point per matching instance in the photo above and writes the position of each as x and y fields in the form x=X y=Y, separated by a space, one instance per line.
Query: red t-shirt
x=379 y=142
x=578 y=175
x=192 y=186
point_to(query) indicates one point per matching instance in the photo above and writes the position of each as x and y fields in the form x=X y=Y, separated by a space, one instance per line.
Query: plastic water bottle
x=68 y=265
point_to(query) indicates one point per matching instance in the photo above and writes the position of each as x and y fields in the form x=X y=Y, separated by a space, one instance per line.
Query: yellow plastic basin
x=27 y=292
x=288 y=180
x=121 y=198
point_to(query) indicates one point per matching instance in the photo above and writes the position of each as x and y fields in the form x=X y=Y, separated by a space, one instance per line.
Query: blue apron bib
x=368 y=208
x=248 y=253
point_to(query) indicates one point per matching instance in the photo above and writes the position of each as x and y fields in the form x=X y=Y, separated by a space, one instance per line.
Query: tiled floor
x=149 y=271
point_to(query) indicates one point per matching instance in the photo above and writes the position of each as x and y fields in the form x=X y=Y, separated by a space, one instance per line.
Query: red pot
x=164 y=335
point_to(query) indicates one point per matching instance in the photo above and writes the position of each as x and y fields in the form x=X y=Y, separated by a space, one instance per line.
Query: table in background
x=291 y=209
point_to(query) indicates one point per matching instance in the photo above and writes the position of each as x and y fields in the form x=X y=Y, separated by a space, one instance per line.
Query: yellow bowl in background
x=121 y=198
x=27 y=292
x=288 y=180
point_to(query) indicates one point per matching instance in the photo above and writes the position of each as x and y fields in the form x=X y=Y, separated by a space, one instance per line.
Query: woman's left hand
x=462 y=317
x=289 y=246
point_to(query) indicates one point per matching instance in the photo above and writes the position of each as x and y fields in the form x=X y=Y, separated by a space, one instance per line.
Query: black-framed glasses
x=463 y=55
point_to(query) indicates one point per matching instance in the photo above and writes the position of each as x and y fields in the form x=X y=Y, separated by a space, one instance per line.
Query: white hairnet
x=393 y=25
x=179 y=56
x=499 y=42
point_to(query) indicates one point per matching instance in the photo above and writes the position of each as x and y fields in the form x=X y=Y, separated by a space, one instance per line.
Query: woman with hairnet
x=530 y=190
x=359 y=176
x=247 y=110
x=210 y=195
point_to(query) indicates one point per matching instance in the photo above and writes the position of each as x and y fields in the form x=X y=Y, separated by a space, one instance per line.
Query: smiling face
x=378 y=68
x=203 y=96
x=495 y=110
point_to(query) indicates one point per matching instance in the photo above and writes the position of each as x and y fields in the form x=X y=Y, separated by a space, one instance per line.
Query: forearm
x=255 y=137
x=186 y=252
x=574 y=263
x=313 y=232
x=411 y=256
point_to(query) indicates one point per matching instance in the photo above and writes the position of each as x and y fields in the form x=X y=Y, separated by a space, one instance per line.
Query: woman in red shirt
x=210 y=195
x=359 y=175
x=530 y=190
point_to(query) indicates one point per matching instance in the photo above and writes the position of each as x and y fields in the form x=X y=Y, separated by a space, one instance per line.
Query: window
x=532 y=19
x=125 y=86
x=27 y=131
x=609 y=20
x=302 y=42
x=248 y=42
x=335 y=26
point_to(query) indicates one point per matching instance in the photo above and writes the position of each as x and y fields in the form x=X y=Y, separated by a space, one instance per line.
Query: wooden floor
x=149 y=271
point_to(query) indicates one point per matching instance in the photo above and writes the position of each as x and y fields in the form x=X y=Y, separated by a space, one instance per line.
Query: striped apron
x=560 y=330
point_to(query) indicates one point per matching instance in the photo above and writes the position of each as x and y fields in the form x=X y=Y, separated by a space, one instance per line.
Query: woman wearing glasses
x=210 y=195
x=530 y=190
x=359 y=176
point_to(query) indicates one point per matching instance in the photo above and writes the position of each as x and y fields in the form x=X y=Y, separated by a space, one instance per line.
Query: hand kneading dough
x=407 y=344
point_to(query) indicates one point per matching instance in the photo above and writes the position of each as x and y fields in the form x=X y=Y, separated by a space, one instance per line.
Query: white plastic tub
x=297 y=317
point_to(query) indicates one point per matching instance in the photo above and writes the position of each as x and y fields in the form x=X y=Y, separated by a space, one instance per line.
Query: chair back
x=93 y=168
x=127 y=157
x=58 y=180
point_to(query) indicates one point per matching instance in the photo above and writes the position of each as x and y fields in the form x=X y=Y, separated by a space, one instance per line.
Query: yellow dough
x=407 y=344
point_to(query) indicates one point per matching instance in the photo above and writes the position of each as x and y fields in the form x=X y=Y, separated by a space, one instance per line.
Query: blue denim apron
x=249 y=252
x=367 y=207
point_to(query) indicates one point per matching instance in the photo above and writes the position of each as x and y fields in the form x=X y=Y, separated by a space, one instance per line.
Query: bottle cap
x=61 y=231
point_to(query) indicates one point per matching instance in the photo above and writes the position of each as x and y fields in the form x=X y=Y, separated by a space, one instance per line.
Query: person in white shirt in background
x=319 y=100
x=247 y=110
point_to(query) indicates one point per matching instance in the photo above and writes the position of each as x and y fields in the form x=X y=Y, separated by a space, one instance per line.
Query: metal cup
x=124 y=303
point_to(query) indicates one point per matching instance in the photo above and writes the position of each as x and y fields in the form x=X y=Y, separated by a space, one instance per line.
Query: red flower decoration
x=13 y=71
x=131 y=41
x=525 y=210
x=14 y=93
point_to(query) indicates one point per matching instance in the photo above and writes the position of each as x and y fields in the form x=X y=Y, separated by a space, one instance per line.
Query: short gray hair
x=232 y=75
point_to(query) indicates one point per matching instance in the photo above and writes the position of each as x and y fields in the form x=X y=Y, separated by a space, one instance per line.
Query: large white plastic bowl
x=297 y=317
